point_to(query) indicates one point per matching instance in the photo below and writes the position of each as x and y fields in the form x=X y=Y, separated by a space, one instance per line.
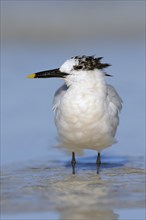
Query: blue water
x=123 y=214
x=28 y=129
x=29 y=137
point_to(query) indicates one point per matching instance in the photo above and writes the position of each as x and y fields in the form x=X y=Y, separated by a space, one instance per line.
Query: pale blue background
x=42 y=35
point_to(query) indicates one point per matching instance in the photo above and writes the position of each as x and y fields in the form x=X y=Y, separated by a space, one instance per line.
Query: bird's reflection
x=98 y=214
x=85 y=195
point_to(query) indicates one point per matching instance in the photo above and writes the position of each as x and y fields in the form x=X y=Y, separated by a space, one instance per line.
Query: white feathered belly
x=84 y=123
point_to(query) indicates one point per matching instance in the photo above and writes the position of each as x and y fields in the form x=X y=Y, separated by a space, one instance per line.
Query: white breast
x=86 y=118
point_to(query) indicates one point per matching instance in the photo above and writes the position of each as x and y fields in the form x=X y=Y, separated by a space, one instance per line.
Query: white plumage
x=86 y=109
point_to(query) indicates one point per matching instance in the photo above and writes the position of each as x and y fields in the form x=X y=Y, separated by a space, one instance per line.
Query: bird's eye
x=79 y=67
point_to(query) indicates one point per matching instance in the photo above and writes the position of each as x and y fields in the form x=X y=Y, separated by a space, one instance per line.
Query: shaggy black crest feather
x=89 y=63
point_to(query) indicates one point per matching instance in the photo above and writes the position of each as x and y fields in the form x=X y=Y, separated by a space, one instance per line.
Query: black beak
x=107 y=74
x=48 y=74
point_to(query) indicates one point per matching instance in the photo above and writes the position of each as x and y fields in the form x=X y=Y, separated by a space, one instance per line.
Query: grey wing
x=114 y=97
x=115 y=106
x=58 y=95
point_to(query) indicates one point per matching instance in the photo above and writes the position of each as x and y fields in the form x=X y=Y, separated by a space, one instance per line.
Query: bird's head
x=75 y=69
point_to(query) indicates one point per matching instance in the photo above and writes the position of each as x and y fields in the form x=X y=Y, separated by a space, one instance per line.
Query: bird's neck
x=91 y=82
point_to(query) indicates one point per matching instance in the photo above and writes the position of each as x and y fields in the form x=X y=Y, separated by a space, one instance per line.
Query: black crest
x=89 y=63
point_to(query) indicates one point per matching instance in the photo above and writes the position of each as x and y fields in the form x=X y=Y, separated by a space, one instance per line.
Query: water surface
x=49 y=187
x=36 y=176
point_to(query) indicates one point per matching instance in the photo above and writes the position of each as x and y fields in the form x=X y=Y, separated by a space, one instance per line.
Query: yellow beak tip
x=31 y=76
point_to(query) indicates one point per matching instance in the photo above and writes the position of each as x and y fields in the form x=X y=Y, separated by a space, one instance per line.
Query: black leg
x=98 y=162
x=73 y=162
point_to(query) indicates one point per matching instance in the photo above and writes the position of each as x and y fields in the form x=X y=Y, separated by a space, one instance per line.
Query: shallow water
x=49 y=187
x=36 y=179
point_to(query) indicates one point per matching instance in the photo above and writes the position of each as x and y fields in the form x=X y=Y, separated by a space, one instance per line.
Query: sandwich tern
x=86 y=107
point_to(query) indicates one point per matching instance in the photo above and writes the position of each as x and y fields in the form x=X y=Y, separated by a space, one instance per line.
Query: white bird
x=86 y=107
